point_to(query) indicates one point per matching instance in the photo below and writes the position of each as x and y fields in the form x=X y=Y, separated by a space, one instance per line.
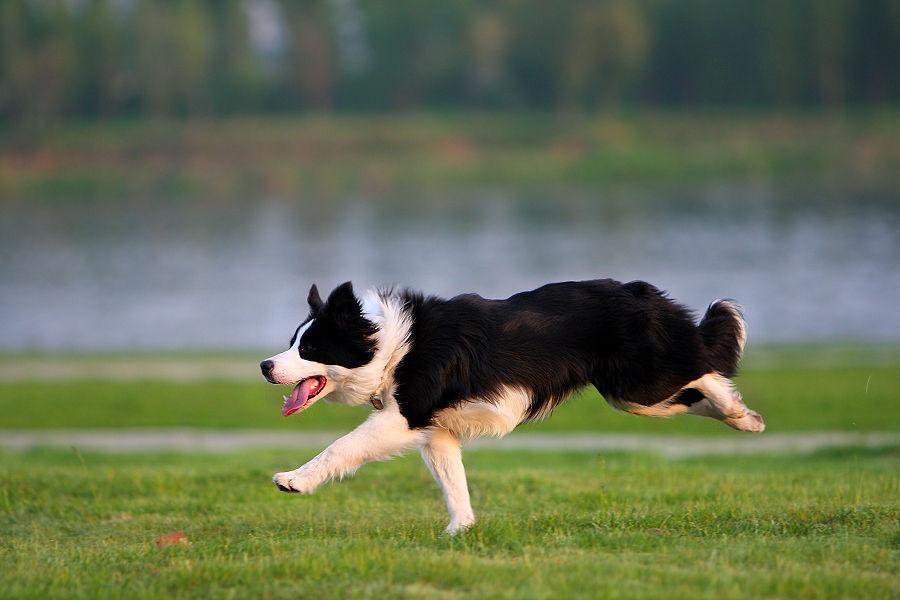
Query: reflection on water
x=806 y=263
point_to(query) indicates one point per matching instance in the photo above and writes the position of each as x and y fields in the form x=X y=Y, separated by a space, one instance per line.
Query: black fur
x=630 y=341
x=339 y=334
x=719 y=330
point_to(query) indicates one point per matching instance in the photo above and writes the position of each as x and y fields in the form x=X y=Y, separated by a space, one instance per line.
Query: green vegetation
x=152 y=57
x=379 y=156
x=791 y=399
x=550 y=525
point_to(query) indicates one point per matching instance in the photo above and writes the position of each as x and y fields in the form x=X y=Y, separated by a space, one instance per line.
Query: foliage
x=153 y=57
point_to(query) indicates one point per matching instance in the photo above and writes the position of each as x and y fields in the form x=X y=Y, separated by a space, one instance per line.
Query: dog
x=439 y=371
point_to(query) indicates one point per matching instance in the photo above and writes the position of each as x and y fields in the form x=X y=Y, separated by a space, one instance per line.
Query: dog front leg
x=384 y=434
x=443 y=455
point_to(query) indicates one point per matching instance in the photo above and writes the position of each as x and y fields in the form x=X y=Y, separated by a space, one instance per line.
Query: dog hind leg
x=443 y=456
x=723 y=402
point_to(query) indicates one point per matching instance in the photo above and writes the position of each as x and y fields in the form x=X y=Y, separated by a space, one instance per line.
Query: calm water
x=807 y=263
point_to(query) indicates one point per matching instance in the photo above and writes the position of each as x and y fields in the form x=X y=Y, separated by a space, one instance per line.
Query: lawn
x=791 y=399
x=550 y=525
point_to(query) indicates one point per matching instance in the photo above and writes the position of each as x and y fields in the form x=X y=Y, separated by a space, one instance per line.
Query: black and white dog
x=441 y=371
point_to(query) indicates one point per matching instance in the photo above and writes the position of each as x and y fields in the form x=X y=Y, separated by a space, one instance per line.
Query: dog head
x=335 y=340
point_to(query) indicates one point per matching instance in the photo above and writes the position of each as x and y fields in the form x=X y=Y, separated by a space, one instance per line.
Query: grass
x=550 y=525
x=791 y=399
x=381 y=155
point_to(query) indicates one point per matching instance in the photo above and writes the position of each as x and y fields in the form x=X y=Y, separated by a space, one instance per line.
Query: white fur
x=443 y=456
x=477 y=417
x=354 y=386
x=386 y=432
x=357 y=386
x=290 y=368
x=383 y=435
x=723 y=402
x=666 y=408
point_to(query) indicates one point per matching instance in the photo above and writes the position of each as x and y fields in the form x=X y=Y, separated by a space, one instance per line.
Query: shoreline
x=386 y=154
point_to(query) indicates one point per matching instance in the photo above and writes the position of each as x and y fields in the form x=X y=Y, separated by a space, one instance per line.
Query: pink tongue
x=297 y=399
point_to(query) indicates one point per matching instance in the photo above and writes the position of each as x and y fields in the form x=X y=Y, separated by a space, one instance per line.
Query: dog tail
x=724 y=333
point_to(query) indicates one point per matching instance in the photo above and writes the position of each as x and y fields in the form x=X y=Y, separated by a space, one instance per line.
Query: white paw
x=292 y=481
x=459 y=525
x=750 y=421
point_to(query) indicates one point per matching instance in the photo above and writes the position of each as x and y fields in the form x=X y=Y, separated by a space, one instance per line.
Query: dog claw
x=292 y=483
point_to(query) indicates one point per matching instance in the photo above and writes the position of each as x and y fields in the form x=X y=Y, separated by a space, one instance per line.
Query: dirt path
x=181 y=440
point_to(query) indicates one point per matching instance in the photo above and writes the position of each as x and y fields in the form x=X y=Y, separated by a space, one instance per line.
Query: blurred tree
x=489 y=72
x=97 y=68
x=192 y=51
x=44 y=73
x=669 y=79
x=310 y=66
x=604 y=54
x=87 y=58
x=829 y=21
x=784 y=51
x=174 y=51
x=235 y=77
x=156 y=88
x=418 y=54
x=539 y=32
x=16 y=25
x=875 y=51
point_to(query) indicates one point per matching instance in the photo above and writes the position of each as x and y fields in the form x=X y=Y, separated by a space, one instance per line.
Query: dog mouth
x=302 y=394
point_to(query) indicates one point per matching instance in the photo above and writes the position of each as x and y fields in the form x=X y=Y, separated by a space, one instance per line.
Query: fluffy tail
x=723 y=333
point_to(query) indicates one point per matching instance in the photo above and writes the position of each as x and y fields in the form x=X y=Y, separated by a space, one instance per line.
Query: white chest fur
x=478 y=418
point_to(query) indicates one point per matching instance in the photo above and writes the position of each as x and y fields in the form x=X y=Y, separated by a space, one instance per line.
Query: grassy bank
x=551 y=525
x=322 y=155
x=790 y=398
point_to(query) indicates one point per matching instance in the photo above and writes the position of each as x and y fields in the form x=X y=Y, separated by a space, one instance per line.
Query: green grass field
x=551 y=525
x=791 y=399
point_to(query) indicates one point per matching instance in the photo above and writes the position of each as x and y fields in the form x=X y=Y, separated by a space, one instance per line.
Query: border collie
x=438 y=372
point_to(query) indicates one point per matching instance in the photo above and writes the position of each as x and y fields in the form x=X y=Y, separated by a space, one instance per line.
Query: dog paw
x=292 y=481
x=750 y=421
x=459 y=525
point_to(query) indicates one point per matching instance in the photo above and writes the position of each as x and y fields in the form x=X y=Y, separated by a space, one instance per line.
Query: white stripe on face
x=290 y=368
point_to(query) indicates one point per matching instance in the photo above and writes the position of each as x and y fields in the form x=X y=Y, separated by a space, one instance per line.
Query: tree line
x=91 y=58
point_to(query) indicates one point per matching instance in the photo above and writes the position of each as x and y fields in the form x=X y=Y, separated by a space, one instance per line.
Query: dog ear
x=342 y=302
x=342 y=294
x=314 y=300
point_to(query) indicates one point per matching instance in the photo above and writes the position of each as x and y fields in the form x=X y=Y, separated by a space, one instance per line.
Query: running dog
x=440 y=371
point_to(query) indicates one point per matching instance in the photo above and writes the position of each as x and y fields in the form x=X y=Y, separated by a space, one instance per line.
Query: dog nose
x=266 y=367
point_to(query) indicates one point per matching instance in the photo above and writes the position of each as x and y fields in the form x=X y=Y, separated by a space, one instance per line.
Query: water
x=808 y=263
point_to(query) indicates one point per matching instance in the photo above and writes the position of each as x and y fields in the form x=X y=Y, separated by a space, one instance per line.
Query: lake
x=808 y=262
